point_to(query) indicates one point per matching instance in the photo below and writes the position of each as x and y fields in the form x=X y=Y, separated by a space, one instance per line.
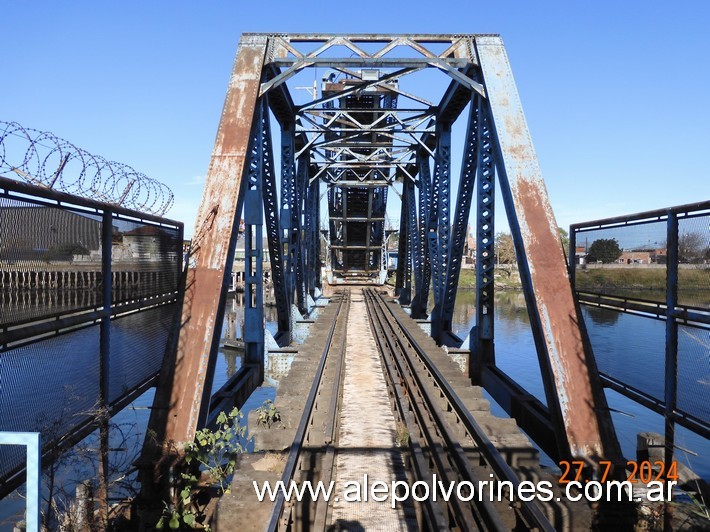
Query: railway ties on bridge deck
x=348 y=424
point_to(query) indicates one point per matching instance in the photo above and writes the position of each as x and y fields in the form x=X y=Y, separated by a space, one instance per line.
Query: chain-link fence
x=88 y=294
x=645 y=283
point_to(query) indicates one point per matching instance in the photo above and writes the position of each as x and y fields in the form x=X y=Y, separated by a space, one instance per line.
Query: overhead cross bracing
x=382 y=118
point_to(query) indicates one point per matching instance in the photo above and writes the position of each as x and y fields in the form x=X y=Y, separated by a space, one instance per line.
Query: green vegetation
x=506 y=278
x=640 y=278
x=604 y=250
x=213 y=455
x=268 y=414
x=647 y=283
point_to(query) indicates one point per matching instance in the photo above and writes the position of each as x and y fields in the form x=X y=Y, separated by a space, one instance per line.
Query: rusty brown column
x=214 y=239
x=574 y=394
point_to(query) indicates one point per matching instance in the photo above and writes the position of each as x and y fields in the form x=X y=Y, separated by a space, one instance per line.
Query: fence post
x=572 y=259
x=671 y=335
x=104 y=355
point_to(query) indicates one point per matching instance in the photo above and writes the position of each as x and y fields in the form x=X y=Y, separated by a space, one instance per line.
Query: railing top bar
x=646 y=216
x=371 y=37
x=63 y=197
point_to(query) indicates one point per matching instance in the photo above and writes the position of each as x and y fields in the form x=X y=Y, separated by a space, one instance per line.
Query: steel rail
x=444 y=450
x=331 y=432
x=530 y=513
x=420 y=461
x=297 y=446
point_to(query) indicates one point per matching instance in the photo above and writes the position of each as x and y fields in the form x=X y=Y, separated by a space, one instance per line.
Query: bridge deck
x=364 y=439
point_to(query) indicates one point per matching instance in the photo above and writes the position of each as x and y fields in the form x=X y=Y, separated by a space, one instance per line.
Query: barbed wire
x=42 y=158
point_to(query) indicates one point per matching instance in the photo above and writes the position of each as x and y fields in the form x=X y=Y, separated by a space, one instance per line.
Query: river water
x=626 y=345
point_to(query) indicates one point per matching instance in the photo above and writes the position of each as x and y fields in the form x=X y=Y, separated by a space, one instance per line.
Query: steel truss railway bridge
x=386 y=121
x=369 y=131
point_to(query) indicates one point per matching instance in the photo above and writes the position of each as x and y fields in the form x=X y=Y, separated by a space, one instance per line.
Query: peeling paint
x=577 y=406
x=213 y=235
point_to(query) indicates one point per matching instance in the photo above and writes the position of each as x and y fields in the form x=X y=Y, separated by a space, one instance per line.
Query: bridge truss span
x=377 y=130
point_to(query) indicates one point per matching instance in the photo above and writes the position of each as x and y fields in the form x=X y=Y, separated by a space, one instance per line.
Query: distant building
x=634 y=257
x=659 y=256
x=580 y=255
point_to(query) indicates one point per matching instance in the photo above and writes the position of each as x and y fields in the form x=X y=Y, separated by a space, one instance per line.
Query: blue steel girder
x=312 y=225
x=463 y=208
x=297 y=232
x=352 y=137
x=413 y=250
x=253 y=241
x=270 y=201
x=421 y=297
x=482 y=347
x=288 y=207
x=403 y=286
x=357 y=171
x=438 y=228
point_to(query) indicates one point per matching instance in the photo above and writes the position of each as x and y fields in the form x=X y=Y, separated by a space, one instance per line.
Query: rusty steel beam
x=213 y=246
x=574 y=393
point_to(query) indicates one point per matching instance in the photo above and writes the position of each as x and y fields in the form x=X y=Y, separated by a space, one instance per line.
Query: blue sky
x=615 y=93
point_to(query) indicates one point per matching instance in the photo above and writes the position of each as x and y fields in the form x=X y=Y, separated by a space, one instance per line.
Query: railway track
x=444 y=440
x=426 y=404
x=312 y=454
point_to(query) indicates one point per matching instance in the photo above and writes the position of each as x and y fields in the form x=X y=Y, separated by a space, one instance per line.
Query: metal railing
x=652 y=271
x=88 y=297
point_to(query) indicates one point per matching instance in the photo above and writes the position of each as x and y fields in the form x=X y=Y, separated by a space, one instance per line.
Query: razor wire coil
x=41 y=158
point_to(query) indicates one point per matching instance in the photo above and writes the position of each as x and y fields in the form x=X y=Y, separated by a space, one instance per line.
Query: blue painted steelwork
x=463 y=209
x=289 y=208
x=297 y=232
x=402 y=248
x=360 y=141
x=271 y=213
x=312 y=226
x=482 y=348
x=253 y=245
x=421 y=297
x=438 y=226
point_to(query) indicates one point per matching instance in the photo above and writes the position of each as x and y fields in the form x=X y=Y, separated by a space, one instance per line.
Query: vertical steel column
x=413 y=244
x=671 y=371
x=298 y=236
x=421 y=298
x=253 y=249
x=463 y=209
x=178 y=415
x=288 y=200
x=575 y=396
x=401 y=248
x=482 y=336
x=312 y=222
x=317 y=272
x=438 y=228
x=271 y=212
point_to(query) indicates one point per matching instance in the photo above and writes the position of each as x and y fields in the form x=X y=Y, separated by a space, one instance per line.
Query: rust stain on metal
x=560 y=321
x=213 y=238
x=553 y=294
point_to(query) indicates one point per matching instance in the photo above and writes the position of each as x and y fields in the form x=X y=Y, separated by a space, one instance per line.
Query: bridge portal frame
x=498 y=143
